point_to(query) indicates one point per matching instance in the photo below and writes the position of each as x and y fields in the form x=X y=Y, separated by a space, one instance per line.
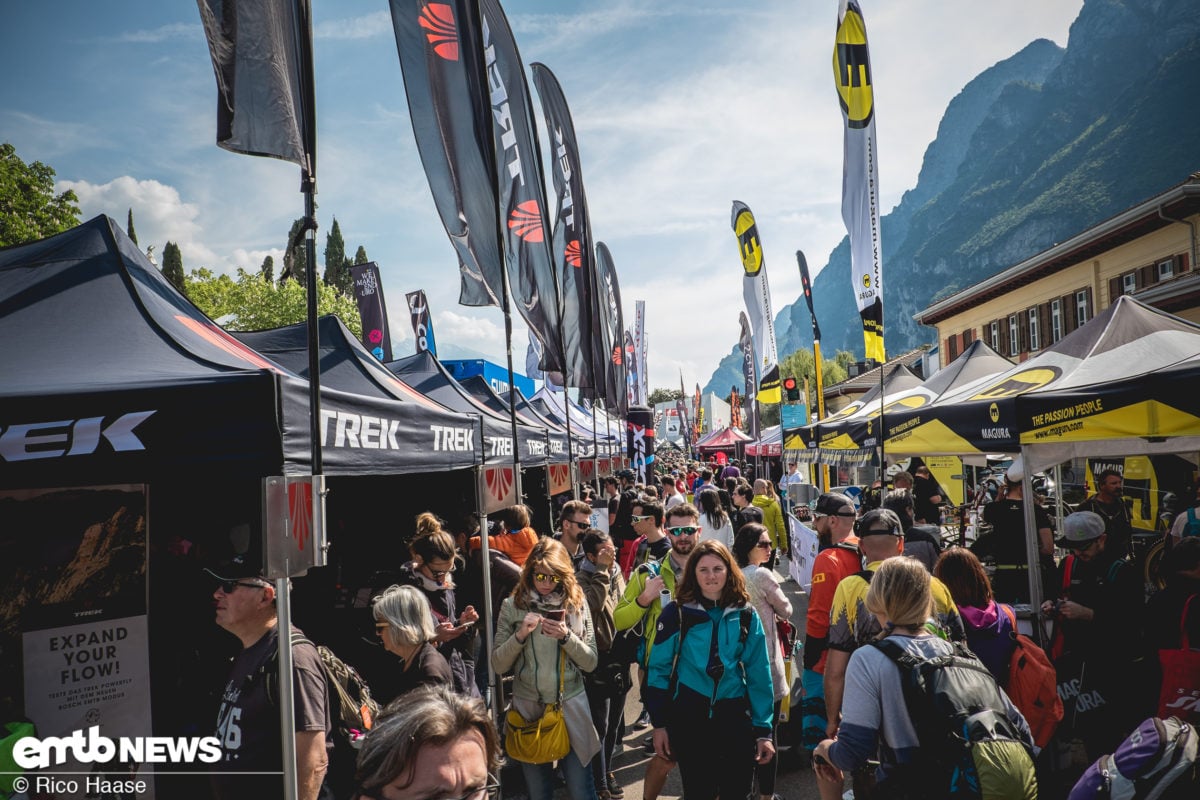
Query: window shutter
x=1182 y=263
x=1068 y=306
x=1114 y=289
x=1005 y=349
x=1044 y=332
x=1147 y=276
x=1091 y=304
x=968 y=336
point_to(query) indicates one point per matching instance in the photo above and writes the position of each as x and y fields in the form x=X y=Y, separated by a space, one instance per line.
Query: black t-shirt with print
x=248 y=719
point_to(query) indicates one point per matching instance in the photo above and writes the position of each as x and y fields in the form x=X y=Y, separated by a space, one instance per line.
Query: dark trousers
x=766 y=772
x=715 y=752
x=607 y=714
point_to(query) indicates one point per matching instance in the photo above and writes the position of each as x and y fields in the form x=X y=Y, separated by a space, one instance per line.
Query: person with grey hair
x=405 y=624
x=435 y=742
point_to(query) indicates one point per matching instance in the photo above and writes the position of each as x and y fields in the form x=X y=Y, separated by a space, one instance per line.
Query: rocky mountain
x=1032 y=151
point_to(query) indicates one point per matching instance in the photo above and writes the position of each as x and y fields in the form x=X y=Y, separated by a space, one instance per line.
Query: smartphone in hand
x=557 y=614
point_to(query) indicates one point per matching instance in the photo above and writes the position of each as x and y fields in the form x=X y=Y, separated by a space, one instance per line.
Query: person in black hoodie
x=431 y=568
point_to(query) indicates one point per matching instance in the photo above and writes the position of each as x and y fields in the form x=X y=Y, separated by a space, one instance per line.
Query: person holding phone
x=544 y=632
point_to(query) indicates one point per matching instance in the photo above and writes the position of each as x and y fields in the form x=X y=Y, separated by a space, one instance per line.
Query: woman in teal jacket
x=709 y=689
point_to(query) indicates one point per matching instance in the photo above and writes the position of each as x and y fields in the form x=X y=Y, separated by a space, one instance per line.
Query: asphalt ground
x=795 y=780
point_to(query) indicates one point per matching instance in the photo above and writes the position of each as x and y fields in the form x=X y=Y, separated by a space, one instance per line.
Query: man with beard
x=649 y=585
x=839 y=557
x=1109 y=503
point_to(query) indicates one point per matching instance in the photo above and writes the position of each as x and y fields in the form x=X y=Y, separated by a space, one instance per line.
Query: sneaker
x=643 y=721
x=648 y=744
x=614 y=789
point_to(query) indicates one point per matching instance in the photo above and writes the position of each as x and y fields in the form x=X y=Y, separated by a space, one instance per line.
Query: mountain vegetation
x=1032 y=151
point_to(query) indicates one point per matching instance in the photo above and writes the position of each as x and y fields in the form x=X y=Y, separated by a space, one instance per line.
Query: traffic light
x=792 y=389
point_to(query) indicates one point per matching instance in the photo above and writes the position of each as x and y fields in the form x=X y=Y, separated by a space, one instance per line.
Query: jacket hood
x=987 y=618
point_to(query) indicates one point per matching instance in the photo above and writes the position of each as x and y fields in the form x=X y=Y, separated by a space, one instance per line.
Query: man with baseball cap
x=1005 y=546
x=833 y=520
x=1098 y=635
x=880 y=536
x=248 y=718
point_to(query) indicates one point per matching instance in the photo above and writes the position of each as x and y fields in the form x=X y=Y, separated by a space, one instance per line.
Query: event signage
x=757 y=294
x=372 y=310
x=422 y=322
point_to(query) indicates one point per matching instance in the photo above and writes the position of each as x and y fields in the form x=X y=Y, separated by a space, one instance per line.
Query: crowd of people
x=679 y=602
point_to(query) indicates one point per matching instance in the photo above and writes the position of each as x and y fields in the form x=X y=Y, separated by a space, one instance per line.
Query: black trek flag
x=612 y=329
x=473 y=120
x=262 y=57
x=451 y=122
x=571 y=243
x=806 y=283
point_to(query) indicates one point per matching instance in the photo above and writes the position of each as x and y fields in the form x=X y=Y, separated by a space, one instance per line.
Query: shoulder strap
x=1068 y=564
x=1113 y=569
x=865 y=574
x=853 y=548
x=1009 y=613
x=744 y=624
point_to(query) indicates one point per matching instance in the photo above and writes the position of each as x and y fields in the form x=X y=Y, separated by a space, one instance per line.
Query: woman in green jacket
x=544 y=630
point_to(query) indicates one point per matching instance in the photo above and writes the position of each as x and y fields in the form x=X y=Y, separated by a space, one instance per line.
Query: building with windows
x=1148 y=251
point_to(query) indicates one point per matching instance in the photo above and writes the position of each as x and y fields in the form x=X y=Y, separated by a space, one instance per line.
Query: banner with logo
x=498 y=488
x=368 y=295
x=633 y=369
x=757 y=294
x=74 y=606
x=612 y=329
x=442 y=65
x=749 y=372
x=642 y=384
x=640 y=427
x=422 y=322
x=571 y=240
x=860 y=171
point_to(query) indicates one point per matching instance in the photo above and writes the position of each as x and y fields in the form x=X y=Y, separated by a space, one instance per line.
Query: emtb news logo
x=93 y=748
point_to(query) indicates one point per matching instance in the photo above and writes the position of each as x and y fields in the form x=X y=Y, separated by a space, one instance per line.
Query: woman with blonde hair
x=545 y=637
x=405 y=624
x=709 y=691
x=876 y=719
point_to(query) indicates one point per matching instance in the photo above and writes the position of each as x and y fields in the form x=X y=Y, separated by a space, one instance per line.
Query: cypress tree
x=267 y=270
x=360 y=257
x=129 y=231
x=172 y=267
x=337 y=273
x=295 y=258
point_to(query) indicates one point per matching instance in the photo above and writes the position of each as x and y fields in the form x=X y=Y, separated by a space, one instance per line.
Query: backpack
x=352 y=708
x=1058 y=642
x=1033 y=685
x=1192 y=528
x=969 y=747
x=1157 y=760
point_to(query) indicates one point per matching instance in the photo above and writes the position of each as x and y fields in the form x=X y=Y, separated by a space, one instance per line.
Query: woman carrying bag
x=544 y=636
x=709 y=691
x=751 y=549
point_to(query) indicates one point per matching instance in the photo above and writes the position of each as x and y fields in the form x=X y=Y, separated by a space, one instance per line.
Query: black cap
x=832 y=504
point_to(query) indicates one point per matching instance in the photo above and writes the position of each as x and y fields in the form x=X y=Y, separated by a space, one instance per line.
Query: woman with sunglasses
x=434 y=744
x=431 y=571
x=709 y=690
x=751 y=550
x=404 y=623
x=545 y=638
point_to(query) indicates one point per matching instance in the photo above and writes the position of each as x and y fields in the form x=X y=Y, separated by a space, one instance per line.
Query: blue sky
x=680 y=106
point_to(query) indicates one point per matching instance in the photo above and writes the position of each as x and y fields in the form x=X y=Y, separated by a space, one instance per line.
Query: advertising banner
x=368 y=294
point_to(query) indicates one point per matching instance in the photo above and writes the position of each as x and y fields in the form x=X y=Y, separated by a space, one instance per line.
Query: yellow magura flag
x=860 y=171
x=757 y=294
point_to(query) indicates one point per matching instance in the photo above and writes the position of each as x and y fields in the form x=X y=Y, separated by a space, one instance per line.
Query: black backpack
x=969 y=748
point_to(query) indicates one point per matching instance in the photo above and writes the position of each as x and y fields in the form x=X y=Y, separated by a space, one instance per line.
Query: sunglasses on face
x=543 y=577
x=581 y=525
x=229 y=587
x=639 y=517
x=437 y=574
x=764 y=544
x=683 y=530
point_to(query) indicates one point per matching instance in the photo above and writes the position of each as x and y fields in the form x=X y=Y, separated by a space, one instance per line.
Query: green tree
x=129 y=231
x=664 y=396
x=360 y=255
x=267 y=270
x=246 y=302
x=29 y=209
x=172 y=266
x=337 y=266
x=295 y=257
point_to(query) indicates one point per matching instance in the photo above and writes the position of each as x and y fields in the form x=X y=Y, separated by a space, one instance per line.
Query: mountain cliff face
x=1033 y=150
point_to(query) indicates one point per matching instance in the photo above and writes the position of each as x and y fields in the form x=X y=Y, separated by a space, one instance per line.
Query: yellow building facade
x=1149 y=251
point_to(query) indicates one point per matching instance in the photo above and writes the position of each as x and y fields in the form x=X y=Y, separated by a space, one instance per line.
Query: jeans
x=607 y=713
x=539 y=778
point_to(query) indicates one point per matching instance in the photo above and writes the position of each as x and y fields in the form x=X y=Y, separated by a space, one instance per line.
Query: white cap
x=1016 y=471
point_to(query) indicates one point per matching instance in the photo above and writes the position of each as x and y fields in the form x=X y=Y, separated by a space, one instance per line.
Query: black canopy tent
x=111 y=377
x=556 y=437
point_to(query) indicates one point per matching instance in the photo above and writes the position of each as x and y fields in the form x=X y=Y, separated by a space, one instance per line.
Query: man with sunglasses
x=833 y=520
x=575 y=520
x=248 y=718
x=652 y=542
x=641 y=605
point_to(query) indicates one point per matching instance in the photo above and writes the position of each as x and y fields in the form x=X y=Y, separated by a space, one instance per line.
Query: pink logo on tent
x=438 y=21
x=219 y=338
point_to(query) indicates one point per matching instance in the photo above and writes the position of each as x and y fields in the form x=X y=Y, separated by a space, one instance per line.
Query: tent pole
x=1032 y=545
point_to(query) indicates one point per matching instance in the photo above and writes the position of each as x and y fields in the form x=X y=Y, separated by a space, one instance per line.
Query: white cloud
x=163 y=33
x=364 y=27
x=159 y=214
